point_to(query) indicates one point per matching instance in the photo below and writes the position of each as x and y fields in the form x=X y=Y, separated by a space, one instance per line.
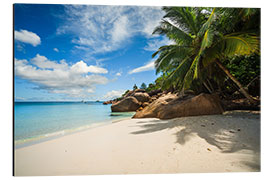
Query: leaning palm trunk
x=207 y=87
x=241 y=88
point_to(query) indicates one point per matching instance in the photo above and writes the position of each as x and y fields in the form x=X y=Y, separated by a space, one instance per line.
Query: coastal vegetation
x=207 y=41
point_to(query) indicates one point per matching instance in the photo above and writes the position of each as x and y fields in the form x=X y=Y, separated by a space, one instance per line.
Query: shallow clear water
x=34 y=121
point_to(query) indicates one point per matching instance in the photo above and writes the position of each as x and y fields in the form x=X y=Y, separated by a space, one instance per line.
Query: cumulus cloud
x=148 y=67
x=113 y=94
x=118 y=74
x=27 y=37
x=81 y=67
x=56 y=50
x=77 y=80
x=108 y=28
x=43 y=62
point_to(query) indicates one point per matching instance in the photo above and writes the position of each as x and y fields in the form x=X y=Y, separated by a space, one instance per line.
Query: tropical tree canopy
x=135 y=87
x=203 y=38
x=143 y=86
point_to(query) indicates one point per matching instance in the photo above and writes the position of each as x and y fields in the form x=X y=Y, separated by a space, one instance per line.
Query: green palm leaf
x=169 y=56
x=183 y=17
x=208 y=23
x=172 y=32
x=240 y=44
x=179 y=73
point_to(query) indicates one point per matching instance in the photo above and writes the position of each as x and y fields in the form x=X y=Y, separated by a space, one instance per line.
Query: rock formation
x=172 y=106
x=127 y=104
x=141 y=97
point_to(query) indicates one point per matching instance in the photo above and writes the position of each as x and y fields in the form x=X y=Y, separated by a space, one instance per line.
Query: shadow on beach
x=231 y=132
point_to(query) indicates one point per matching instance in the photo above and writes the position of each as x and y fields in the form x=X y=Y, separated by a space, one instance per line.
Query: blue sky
x=75 y=52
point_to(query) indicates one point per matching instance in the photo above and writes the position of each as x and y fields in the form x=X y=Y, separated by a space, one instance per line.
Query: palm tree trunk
x=210 y=84
x=241 y=88
x=205 y=85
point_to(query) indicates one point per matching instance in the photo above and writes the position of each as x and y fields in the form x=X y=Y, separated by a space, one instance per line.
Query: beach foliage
x=135 y=87
x=125 y=93
x=205 y=39
x=157 y=84
x=143 y=86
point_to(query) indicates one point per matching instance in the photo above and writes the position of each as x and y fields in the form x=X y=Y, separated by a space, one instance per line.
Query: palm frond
x=183 y=17
x=163 y=61
x=208 y=23
x=201 y=16
x=165 y=48
x=248 y=12
x=207 y=40
x=179 y=73
x=196 y=66
x=170 y=56
x=192 y=73
x=172 y=32
x=233 y=44
x=240 y=44
x=210 y=54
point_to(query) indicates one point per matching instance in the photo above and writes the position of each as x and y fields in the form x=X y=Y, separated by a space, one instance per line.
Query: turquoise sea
x=39 y=121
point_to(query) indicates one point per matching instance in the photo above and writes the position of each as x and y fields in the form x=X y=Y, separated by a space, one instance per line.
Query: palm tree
x=203 y=37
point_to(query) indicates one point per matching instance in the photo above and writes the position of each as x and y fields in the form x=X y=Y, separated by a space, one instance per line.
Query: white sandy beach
x=217 y=143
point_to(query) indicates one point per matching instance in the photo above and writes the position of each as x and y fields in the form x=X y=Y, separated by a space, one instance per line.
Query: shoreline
x=145 y=146
x=58 y=134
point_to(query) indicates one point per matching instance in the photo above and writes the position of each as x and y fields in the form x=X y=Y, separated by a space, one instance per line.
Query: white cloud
x=81 y=67
x=113 y=94
x=155 y=44
x=148 y=67
x=108 y=28
x=27 y=37
x=20 y=47
x=43 y=62
x=74 y=80
x=118 y=74
x=82 y=48
x=120 y=29
x=56 y=50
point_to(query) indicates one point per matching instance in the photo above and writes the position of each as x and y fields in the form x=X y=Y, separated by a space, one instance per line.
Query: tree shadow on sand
x=230 y=132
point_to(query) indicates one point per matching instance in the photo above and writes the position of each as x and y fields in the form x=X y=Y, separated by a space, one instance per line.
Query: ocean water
x=38 y=121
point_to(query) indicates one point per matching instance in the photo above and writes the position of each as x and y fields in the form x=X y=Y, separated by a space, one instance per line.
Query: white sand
x=141 y=146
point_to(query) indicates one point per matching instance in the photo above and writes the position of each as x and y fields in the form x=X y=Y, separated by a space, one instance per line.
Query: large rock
x=145 y=104
x=128 y=104
x=141 y=97
x=154 y=92
x=152 y=109
x=128 y=94
x=107 y=102
x=132 y=92
x=110 y=102
x=171 y=106
x=139 y=90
